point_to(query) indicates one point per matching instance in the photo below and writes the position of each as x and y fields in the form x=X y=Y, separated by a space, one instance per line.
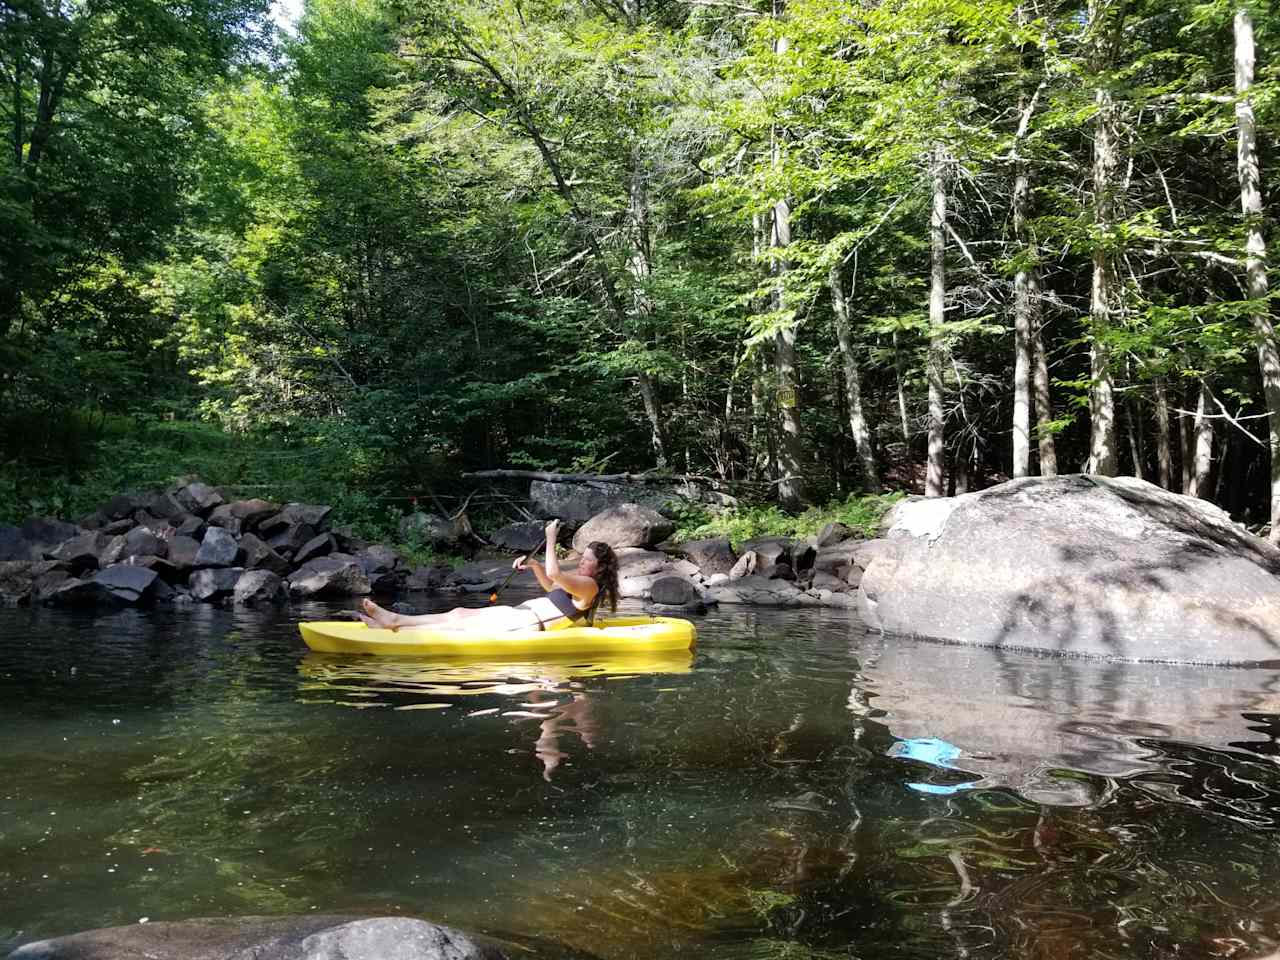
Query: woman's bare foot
x=377 y=618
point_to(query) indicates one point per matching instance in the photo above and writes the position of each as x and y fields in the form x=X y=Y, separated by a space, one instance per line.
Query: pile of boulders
x=190 y=543
x=824 y=570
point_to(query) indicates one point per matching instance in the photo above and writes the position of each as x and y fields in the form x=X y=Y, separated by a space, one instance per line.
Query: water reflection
x=552 y=688
x=1034 y=724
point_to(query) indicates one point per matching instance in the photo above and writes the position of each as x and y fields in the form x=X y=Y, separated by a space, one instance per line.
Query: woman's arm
x=583 y=588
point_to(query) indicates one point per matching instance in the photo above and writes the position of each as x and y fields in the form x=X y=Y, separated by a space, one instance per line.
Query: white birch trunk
x=1164 y=452
x=1044 y=399
x=853 y=382
x=1250 y=175
x=1203 y=460
x=935 y=469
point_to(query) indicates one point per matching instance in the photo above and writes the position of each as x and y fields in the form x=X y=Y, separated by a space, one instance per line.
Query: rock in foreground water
x=275 y=938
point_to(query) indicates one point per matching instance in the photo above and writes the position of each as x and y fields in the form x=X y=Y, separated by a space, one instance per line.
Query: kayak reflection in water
x=570 y=597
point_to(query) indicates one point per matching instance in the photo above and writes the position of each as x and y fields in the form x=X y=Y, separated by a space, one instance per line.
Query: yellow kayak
x=612 y=635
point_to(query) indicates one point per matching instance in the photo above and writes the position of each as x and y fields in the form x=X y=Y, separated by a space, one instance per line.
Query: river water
x=794 y=788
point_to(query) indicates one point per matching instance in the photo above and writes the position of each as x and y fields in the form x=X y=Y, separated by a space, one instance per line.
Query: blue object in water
x=935 y=752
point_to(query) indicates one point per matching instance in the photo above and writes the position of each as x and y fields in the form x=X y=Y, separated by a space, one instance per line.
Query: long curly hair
x=606 y=575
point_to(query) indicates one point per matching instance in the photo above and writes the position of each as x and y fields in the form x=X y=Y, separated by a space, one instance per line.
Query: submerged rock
x=321 y=937
x=1085 y=565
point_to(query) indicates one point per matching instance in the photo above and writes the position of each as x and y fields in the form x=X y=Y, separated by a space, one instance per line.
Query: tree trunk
x=902 y=392
x=1164 y=455
x=1044 y=400
x=1023 y=323
x=1203 y=461
x=791 y=444
x=1103 y=456
x=1250 y=176
x=639 y=265
x=853 y=383
x=1025 y=306
x=934 y=477
x=1134 y=422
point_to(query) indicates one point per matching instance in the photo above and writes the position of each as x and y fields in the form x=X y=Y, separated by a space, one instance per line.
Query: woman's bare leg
x=459 y=618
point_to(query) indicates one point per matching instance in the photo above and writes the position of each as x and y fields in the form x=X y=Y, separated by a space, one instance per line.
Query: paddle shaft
x=493 y=597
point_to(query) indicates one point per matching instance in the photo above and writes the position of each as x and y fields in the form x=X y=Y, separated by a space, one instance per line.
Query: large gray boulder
x=259 y=586
x=218 y=549
x=579 y=502
x=1081 y=565
x=198 y=498
x=760 y=591
x=520 y=537
x=334 y=576
x=242 y=515
x=712 y=556
x=315 y=937
x=81 y=552
x=215 y=582
x=127 y=583
x=313 y=515
x=626 y=525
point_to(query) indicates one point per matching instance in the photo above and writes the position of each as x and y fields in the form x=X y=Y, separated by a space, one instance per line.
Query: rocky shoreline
x=190 y=544
x=1082 y=565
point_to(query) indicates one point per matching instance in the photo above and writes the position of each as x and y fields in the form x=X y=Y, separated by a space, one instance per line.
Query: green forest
x=804 y=249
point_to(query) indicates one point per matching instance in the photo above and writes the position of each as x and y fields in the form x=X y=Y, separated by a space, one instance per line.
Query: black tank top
x=564 y=603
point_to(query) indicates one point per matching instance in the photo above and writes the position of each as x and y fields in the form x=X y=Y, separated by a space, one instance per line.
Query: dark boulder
x=198 y=498
x=117 y=527
x=144 y=542
x=291 y=539
x=259 y=586
x=167 y=572
x=218 y=549
x=778 y=571
x=674 y=592
x=189 y=526
x=18 y=578
x=77 y=592
x=315 y=516
x=760 y=591
x=311 y=937
x=1084 y=565
x=522 y=537
x=242 y=516
x=122 y=506
x=832 y=534
x=257 y=555
x=770 y=550
x=126 y=583
x=214 y=582
x=317 y=546
x=329 y=576
x=714 y=555
x=426 y=579
x=80 y=553
x=626 y=525
x=165 y=506
x=183 y=551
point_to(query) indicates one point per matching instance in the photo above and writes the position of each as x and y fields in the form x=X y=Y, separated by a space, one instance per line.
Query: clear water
x=796 y=789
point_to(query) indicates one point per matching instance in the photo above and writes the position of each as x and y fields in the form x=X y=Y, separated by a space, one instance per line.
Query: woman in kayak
x=570 y=596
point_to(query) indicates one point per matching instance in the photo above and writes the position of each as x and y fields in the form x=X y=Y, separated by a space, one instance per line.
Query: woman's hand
x=553 y=532
x=520 y=563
